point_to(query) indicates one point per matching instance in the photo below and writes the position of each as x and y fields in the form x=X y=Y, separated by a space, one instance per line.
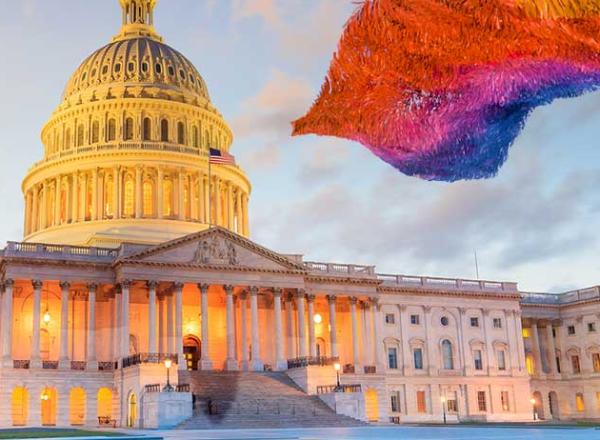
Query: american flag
x=220 y=157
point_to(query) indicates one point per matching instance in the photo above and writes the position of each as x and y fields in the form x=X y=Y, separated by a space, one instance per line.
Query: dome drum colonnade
x=130 y=142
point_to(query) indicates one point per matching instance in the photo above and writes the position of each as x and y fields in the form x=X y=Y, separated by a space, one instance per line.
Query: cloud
x=267 y=10
x=264 y=157
x=270 y=111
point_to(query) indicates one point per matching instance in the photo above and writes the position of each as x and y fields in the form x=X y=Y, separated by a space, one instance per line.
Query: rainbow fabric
x=440 y=89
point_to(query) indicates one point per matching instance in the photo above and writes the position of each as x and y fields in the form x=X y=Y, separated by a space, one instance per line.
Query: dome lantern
x=138 y=19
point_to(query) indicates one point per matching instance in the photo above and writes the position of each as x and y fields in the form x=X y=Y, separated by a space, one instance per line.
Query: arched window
x=111 y=130
x=95 y=132
x=147 y=129
x=448 y=361
x=128 y=197
x=20 y=406
x=80 y=132
x=164 y=130
x=579 y=402
x=77 y=406
x=132 y=411
x=180 y=133
x=105 y=397
x=195 y=137
x=148 y=199
x=128 y=129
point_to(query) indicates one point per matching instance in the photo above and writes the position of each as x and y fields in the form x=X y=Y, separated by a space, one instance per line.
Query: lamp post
x=337 y=368
x=443 y=400
x=533 y=402
x=168 y=388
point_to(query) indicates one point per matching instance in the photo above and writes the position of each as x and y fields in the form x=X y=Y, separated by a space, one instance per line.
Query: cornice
x=446 y=292
x=209 y=267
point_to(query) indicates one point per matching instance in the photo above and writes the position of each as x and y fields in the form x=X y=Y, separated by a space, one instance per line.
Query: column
x=246 y=229
x=74 y=197
x=238 y=208
x=301 y=322
x=200 y=189
x=125 y=284
x=28 y=209
x=138 y=192
x=551 y=349
x=205 y=361
x=332 y=327
x=57 y=201
x=161 y=325
x=355 y=352
x=462 y=344
x=68 y=201
x=429 y=343
x=489 y=348
x=180 y=203
x=170 y=339
x=535 y=346
x=312 y=342
x=34 y=220
x=407 y=360
x=179 y=325
x=116 y=349
x=160 y=209
x=7 y=323
x=218 y=206
x=230 y=207
x=280 y=363
x=289 y=321
x=376 y=342
x=44 y=207
x=257 y=364
x=207 y=206
x=92 y=363
x=63 y=359
x=245 y=364
x=366 y=334
x=231 y=364
x=519 y=338
x=36 y=360
x=95 y=194
x=116 y=192
x=152 y=341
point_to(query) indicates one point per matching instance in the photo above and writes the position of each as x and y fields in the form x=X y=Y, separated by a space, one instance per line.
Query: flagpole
x=209 y=191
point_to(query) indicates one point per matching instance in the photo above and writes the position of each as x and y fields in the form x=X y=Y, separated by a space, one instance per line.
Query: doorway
x=372 y=405
x=553 y=403
x=131 y=410
x=191 y=352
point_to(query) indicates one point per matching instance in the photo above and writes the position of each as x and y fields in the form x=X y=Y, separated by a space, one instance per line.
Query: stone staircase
x=256 y=400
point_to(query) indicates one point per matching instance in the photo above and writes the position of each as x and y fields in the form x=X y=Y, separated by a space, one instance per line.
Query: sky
x=537 y=222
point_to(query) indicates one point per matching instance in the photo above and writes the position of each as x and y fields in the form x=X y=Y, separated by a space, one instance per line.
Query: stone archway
x=192 y=350
x=48 y=406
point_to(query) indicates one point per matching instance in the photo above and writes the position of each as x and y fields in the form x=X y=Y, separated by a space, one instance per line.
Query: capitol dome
x=126 y=151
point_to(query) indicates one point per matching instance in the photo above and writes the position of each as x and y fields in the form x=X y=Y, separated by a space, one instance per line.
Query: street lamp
x=533 y=402
x=443 y=399
x=337 y=368
x=168 y=388
x=317 y=318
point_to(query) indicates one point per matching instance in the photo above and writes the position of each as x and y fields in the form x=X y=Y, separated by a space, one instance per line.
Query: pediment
x=215 y=247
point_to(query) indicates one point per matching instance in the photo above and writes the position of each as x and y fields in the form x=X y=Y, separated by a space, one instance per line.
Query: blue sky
x=264 y=60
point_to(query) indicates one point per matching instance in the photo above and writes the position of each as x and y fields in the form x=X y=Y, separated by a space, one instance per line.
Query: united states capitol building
x=137 y=298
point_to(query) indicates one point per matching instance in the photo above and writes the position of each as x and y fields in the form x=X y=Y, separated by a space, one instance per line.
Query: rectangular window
x=504 y=400
x=526 y=333
x=474 y=322
x=477 y=357
x=392 y=358
x=390 y=318
x=414 y=319
x=452 y=405
x=596 y=362
x=553 y=332
x=421 y=403
x=571 y=330
x=497 y=323
x=418 y=358
x=395 y=402
x=558 y=364
x=579 y=403
x=598 y=400
x=575 y=364
x=501 y=360
x=481 y=403
x=591 y=327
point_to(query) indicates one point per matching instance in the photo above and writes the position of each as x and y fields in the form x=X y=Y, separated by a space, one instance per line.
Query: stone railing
x=370 y=369
x=340 y=269
x=21 y=364
x=148 y=358
x=50 y=365
x=447 y=283
x=310 y=360
x=107 y=366
x=126 y=145
x=51 y=251
x=573 y=296
x=78 y=365
x=326 y=389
